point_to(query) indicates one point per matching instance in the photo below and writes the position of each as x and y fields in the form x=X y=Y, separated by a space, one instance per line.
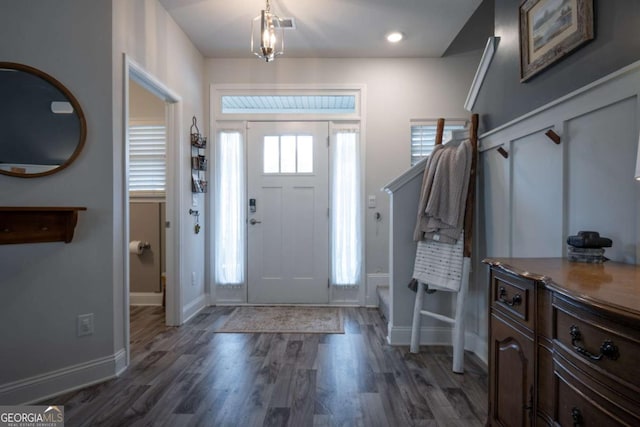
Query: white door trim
x=220 y=121
x=173 y=119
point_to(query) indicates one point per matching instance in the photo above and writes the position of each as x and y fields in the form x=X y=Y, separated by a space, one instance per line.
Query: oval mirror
x=42 y=127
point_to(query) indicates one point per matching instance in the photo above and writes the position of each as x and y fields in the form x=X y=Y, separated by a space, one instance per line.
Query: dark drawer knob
x=608 y=349
x=502 y=294
x=576 y=416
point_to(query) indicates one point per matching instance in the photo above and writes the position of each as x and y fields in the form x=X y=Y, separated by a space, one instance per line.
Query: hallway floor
x=193 y=376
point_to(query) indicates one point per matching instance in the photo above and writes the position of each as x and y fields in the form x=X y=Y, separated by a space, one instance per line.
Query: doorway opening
x=151 y=135
x=288 y=218
x=147 y=191
x=287 y=199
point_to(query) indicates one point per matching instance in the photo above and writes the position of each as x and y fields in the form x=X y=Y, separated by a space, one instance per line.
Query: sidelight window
x=229 y=212
x=346 y=235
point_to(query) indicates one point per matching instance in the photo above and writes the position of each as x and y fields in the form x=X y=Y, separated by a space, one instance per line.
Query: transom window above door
x=288 y=104
x=288 y=154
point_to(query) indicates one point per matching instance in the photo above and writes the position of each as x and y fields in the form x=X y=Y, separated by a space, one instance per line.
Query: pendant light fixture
x=267 y=40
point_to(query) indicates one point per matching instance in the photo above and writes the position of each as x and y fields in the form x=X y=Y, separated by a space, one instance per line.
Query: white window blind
x=423 y=137
x=147 y=158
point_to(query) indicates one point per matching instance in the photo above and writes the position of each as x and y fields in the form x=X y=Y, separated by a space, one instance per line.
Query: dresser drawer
x=513 y=297
x=578 y=404
x=606 y=350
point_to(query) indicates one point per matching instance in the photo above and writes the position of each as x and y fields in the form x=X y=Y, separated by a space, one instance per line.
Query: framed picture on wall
x=550 y=30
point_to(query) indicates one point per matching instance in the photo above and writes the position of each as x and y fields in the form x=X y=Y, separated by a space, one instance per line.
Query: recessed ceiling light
x=395 y=37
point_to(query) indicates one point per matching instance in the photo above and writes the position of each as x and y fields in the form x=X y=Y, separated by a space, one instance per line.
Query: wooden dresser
x=564 y=343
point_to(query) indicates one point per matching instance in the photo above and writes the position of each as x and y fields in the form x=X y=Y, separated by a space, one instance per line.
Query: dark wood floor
x=193 y=376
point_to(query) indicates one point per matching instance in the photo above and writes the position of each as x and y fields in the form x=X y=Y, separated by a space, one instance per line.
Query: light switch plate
x=371 y=201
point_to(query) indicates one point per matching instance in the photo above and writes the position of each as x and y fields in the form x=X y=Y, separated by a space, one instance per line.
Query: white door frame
x=220 y=120
x=173 y=119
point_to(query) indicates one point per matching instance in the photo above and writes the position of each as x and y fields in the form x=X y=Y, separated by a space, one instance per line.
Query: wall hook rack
x=553 y=136
x=504 y=153
x=196 y=227
x=198 y=159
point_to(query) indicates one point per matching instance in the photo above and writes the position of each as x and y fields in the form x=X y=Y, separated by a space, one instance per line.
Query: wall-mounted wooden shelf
x=37 y=224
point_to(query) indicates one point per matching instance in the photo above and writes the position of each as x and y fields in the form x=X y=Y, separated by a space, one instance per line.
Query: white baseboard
x=37 y=388
x=373 y=281
x=478 y=346
x=145 y=298
x=441 y=335
x=194 y=307
x=121 y=361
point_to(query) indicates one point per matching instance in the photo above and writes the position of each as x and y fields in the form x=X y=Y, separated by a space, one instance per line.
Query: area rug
x=285 y=319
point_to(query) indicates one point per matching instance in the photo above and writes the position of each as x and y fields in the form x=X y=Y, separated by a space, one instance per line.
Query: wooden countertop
x=612 y=286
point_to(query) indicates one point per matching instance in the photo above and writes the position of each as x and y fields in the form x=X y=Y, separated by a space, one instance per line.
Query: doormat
x=285 y=320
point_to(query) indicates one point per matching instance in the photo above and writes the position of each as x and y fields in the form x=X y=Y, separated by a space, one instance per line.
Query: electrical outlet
x=85 y=324
x=194 y=278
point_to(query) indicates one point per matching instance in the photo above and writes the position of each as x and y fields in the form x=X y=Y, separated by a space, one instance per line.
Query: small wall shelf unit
x=37 y=224
x=198 y=159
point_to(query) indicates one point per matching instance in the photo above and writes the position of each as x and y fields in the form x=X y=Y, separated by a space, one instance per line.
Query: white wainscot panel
x=585 y=183
x=601 y=189
x=494 y=204
x=536 y=197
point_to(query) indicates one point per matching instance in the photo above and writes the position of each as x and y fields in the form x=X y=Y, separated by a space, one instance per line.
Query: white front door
x=288 y=221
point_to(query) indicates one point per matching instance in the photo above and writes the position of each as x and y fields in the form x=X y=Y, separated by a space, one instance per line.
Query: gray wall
x=502 y=96
x=145 y=225
x=43 y=287
x=474 y=34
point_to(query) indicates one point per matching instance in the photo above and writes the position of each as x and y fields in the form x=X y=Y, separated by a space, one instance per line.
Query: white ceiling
x=327 y=28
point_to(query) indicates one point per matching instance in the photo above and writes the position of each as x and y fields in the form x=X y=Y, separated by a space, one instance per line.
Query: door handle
x=254 y=221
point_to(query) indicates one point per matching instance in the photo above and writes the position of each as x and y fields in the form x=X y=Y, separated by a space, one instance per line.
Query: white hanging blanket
x=439 y=265
x=445 y=183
